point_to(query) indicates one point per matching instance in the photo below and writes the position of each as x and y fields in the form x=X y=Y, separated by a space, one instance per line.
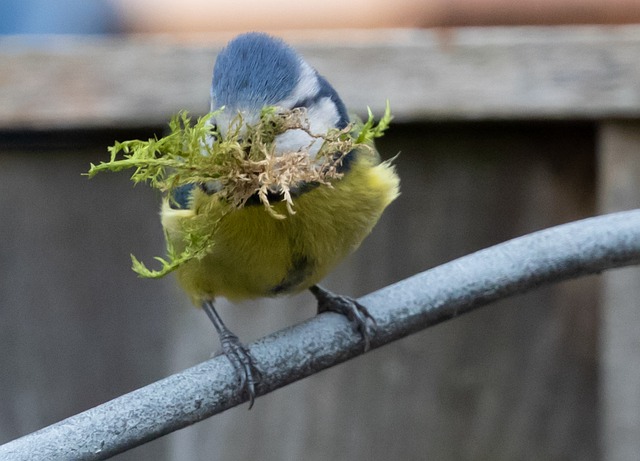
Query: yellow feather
x=256 y=255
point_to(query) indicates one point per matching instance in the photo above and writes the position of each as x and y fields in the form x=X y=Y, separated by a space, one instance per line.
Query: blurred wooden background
x=502 y=131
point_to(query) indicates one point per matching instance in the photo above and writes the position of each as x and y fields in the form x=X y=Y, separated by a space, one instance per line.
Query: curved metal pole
x=571 y=250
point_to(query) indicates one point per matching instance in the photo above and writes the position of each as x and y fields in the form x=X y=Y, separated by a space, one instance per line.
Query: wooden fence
x=502 y=131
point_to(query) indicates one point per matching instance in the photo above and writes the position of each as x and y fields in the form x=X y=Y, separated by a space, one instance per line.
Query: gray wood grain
x=619 y=173
x=475 y=73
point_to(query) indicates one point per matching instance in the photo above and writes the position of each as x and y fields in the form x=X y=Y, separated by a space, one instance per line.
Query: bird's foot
x=243 y=364
x=241 y=361
x=357 y=314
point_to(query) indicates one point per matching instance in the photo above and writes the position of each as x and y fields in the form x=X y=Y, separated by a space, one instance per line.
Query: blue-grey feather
x=254 y=70
x=327 y=91
x=181 y=197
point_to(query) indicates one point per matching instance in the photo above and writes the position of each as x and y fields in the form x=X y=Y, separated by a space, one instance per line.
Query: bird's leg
x=242 y=362
x=357 y=314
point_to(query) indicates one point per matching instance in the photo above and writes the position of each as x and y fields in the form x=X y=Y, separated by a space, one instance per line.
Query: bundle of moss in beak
x=243 y=163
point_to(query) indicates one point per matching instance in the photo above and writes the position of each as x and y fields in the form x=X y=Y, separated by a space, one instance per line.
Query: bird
x=256 y=255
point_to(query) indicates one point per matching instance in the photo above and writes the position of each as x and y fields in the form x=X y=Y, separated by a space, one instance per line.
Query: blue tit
x=254 y=254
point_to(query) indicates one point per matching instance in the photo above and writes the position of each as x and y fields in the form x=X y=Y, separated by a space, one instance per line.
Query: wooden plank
x=619 y=170
x=76 y=326
x=585 y=72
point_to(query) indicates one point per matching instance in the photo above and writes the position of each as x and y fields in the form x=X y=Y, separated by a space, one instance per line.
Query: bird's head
x=256 y=70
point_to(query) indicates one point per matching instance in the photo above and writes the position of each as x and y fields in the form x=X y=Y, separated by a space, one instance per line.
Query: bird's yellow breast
x=256 y=255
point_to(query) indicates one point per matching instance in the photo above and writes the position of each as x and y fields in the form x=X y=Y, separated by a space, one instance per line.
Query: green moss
x=243 y=163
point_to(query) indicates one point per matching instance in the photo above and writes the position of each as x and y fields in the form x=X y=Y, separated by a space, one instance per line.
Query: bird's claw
x=358 y=315
x=243 y=364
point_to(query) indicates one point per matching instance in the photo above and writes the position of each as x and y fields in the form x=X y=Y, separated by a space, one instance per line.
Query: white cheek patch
x=296 y=140
x=323 y=115
x=222 y=121
x=307 y=86
x=227 y=119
